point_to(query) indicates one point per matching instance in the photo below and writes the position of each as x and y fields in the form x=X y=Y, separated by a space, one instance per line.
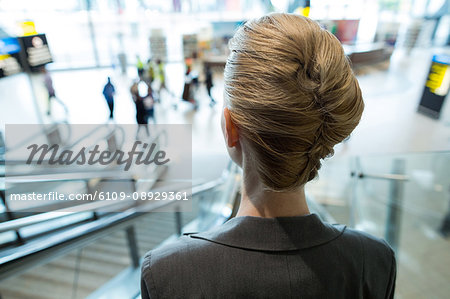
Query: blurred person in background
x=150 y=71
x=188 y=90
x=139 y=91
x=209 y=83
x=108 y=93
x=48 y=83
x=149 y=103
x=161 y=76
x=139 y=67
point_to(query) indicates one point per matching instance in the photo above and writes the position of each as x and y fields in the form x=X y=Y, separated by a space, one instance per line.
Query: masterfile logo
x=59 y=166
x=54 y=155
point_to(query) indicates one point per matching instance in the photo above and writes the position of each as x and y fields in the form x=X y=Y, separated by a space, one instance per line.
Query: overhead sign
x=28 y=28
x=436 y=87
x=304 y=11
x=36 y=51
x=9 y=45
x=9 y=56
x=9 y=65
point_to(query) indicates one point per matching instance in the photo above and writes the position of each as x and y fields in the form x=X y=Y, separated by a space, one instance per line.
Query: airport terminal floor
x=391 y=130
x=390 y=178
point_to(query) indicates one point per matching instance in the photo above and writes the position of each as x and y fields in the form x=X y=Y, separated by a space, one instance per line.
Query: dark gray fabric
x=287 y=257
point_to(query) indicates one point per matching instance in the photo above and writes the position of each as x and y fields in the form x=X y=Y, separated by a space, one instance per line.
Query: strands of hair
x=293 y=96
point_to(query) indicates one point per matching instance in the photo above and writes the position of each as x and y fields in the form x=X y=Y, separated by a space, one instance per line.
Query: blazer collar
x=272 y=234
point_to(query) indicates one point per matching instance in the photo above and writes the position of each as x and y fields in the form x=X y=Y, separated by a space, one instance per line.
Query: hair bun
x=293 y=96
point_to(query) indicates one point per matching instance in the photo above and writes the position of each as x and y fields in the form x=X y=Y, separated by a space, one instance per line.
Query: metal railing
x=53 y=136
x=17 y=259
x=394 y=204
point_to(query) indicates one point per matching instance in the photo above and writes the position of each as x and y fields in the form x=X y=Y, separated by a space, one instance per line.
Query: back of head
x=292 y=95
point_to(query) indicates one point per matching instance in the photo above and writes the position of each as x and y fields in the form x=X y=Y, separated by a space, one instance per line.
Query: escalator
x=71 y=249
x=76 y=260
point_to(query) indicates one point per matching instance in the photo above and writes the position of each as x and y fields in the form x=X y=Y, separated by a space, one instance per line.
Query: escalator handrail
x=90 y=133
x=83 y=231
x=115 y=126
x=28 y=139
x=16 y=259
x=73 y=174
x=87 y=207
x=387 y=176
x=69 y=145
x=111 y=133
x=67 y=176
x=18 y=162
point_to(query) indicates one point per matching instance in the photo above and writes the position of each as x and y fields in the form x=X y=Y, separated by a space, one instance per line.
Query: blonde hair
x=292 y=95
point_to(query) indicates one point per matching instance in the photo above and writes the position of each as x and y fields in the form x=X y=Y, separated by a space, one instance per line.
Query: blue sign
x=442 y=58
x=9 y=45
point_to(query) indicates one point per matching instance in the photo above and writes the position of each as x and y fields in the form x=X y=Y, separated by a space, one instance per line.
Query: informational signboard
x=190 y=46
x=9 y=65
x=158 y=45
x=303 y=10
x=9 y=56
x=9 y=45
x=36 y=51
x=28 y=28
x=436 y=87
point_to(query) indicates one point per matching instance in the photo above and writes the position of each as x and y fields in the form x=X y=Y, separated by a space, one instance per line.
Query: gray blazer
x=287 y=257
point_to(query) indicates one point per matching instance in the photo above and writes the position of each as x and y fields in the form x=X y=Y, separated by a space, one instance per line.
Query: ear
x=231 y=131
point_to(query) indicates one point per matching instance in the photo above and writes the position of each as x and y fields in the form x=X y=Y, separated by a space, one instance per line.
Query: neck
x=255 y=201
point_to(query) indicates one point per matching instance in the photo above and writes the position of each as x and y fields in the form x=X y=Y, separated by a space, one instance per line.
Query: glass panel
x=413 y=215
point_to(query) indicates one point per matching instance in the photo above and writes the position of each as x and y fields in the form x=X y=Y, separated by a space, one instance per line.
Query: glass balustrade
x=403 y=198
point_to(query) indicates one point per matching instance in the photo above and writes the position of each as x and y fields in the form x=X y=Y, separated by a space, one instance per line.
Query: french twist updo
x=292 y=94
